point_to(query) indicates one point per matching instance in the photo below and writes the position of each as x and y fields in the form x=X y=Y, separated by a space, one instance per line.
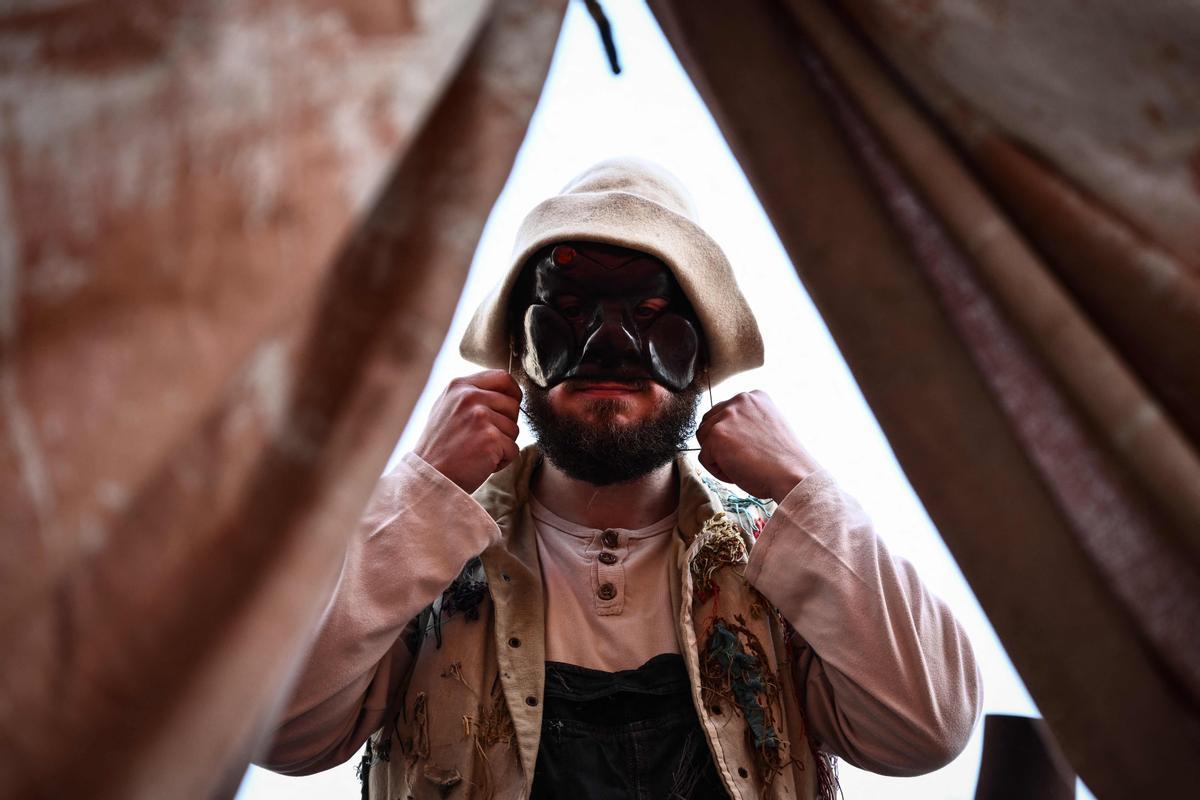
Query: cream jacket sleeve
x=888 y=677
x=417 y=532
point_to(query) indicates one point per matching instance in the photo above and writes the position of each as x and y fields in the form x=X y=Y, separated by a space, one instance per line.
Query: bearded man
x=593 y=616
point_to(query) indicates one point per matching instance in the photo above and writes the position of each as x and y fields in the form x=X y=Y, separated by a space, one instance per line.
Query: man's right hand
x=472 y=431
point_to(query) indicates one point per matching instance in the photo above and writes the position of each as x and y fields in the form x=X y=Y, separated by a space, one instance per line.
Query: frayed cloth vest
x=466 y=721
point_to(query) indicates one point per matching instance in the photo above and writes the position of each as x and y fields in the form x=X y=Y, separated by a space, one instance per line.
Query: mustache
x=634 y=383
x=616 y=369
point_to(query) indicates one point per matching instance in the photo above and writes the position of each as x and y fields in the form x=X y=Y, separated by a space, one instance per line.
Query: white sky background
x=651 y=110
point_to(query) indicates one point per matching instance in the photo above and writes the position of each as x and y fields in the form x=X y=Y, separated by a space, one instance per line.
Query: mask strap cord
x=708 y=382
x=510 y=372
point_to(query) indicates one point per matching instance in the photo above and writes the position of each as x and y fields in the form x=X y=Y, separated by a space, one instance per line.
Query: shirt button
x=514 y=642
x=610 y=539
x=607 y=591
x=608 y=558
x=531 y=701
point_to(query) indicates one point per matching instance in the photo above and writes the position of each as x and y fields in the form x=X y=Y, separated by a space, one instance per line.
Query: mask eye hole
x=570 y=308
x=649 y=309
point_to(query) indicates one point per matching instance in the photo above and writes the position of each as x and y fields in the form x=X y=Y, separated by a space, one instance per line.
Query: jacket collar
x=507 y=492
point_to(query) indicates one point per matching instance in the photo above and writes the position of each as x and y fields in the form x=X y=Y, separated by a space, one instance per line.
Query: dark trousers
x=631 y=734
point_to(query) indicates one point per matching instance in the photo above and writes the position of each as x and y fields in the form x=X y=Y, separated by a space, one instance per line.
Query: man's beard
x=602 y=451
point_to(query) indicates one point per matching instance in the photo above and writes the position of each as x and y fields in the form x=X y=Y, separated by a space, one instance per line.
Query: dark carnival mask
x=606 y=313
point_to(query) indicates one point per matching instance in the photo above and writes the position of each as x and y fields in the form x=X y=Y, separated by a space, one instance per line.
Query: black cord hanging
x=606 y=34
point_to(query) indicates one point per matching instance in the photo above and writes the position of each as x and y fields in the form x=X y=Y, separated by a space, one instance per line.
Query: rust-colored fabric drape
x=232 y=236
x=996 y=208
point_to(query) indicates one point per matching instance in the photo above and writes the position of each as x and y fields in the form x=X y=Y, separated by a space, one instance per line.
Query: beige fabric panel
x=934 y=339
x=1105 y=91
x=234 y=235
x=176 y=186
x=1145 y=299
x=1106 y=389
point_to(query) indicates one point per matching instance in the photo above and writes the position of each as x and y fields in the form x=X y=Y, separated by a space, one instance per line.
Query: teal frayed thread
x=751 y=512
x=746 y=682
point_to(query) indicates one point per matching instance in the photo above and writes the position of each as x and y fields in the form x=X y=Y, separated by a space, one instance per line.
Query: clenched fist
x=472 y=431
x=745 y=441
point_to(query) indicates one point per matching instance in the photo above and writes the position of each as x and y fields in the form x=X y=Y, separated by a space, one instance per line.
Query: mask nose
x=610 y=345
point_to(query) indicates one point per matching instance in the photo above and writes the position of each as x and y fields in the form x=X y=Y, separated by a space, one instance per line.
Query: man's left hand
x=745 y=441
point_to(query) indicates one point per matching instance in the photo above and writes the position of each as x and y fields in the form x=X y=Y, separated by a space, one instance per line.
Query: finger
x=503 y=423
x=708 y=420
x=710 y=464
x=498 y=402
x=724 y=404
x=717 y=413
x=509 y=452
x=727 y=402
x=496 y=380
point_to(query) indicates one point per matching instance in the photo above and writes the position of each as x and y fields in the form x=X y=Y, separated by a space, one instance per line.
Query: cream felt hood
x=639 y=205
